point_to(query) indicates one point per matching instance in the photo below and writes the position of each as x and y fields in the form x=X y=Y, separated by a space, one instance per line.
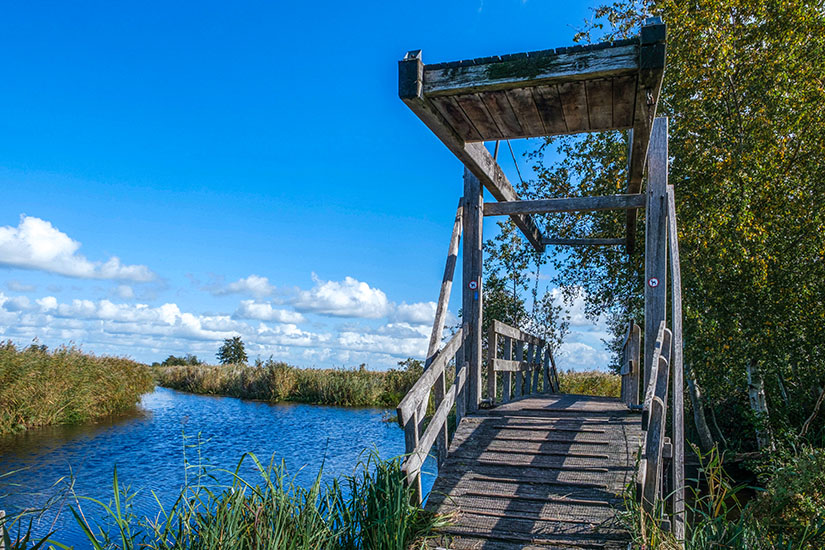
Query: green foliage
x=591 y=383
x=232 y=352
x=277 y=381
x=39 y=387
x=744 y=94
x=173 y=361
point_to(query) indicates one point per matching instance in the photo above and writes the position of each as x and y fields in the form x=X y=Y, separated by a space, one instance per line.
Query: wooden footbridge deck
x=527 y=466
x=540 y=472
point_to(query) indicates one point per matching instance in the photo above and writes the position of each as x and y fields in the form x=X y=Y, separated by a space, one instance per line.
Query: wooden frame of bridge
x=608 y=86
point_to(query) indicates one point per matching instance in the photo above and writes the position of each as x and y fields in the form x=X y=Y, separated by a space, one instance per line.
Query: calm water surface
x=148 y=449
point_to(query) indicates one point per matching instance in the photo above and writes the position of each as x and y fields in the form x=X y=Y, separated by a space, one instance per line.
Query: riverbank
x=41 y=387
x=276 y=381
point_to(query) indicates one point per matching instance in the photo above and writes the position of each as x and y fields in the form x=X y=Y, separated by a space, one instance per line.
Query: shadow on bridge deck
x=540 y=472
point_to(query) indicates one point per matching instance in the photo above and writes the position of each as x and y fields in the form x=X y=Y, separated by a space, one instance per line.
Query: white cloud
x=125 y=291
x=250 y=309
x=347 y=298
x=37 y=244
x=17 y=286
x=420 y=313
x=254 y=285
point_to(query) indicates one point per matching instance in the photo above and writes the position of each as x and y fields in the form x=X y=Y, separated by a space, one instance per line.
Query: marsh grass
x=590 y=383
x=39 y=387
x=276 y=381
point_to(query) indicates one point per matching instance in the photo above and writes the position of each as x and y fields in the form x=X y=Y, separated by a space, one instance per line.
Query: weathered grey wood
x=660 y=343
x=582 y=242
x=545 y=370
x=648 y=86
x=655 y=241
x=477 y=112
x=471 y=305
x=504 y=365
x=425 y=443
x=411 y=439
x=519 y=385
x=678 y=422
x=455 y=116
x=569 y=204
x=507 y=377
x=536 y=368
x=523 y=103
x=474 y=156
x=600 y=103
x=573 y=97
x=535 y=69
x=624 y=92
x=531 y=350
x=548 y=103
x=446 y=287
x=655 y=440
x=554 y=373
x=421 y=389
x=502 y=112
x=461 y=384
x=492 y=356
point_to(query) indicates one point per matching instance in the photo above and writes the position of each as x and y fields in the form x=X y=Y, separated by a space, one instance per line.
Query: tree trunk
x=759 y=405
x=705 y=438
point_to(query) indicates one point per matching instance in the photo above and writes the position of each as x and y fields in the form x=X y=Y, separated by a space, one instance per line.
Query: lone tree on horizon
x=232 y=351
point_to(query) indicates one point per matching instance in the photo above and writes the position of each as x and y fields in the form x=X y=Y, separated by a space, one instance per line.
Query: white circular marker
x=473 y=285
x=653 y=282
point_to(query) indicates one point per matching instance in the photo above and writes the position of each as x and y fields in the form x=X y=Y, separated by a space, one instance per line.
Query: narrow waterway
x=148 y=449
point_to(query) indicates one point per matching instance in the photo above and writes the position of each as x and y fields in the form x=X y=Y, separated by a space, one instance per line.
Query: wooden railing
x=631 y=364
x=522 y=371
x=411 y=418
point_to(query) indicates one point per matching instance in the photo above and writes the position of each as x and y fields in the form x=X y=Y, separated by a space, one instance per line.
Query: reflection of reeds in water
x=39 y=387
x=370 y=510
x=276 y=381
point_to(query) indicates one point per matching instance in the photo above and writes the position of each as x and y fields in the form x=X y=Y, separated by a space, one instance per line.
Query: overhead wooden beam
x=534 y=68
x=648 y=86
x=474 y=156
x=568 y=204
x=583 y=242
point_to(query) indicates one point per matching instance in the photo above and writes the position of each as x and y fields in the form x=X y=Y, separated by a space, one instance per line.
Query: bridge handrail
x=539 y=359
x=413 y=406
x=631 y=364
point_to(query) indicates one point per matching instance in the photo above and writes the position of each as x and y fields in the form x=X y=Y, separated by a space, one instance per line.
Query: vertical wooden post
x=472 y=292
x=655 y=239
x=635 y=352
x=519 y=389
x=528 y=374
x=410 y=443
x=507 y=377
x=537 y=368
x=545 y=369
x=678 y=464
x=492 y=353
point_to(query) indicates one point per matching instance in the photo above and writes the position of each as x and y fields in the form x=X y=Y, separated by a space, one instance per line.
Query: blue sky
x=174 y=173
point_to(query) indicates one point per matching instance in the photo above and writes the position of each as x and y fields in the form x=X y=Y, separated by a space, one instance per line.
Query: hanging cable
x=515 y=162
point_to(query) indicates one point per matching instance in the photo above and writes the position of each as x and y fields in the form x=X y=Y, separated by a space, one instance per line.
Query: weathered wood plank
x=568 y=204
x=492 y=356
x=523 y=103
x=533 y=70
x=548 y=103
x=502 y=113
x=574 y=106
x=472 y=274
x=600 y=103
x=558 y=241
x=653 y=460
x=624 y=100
x=507 y=377
x=457 y=118
x=477 y=112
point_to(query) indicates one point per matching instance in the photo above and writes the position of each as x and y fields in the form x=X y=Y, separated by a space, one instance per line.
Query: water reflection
x=148 y=449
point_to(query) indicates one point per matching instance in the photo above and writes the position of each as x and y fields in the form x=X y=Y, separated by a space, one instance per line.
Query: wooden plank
x=648 y=86
x=600 y=103
x=492 y=356
x=506 y=377
x=503 y=365
x=502 y=113
x=474 y=156
x=533 y=70
x=655 y=441
x=416 y=459
x=567 y=204
x=624 y=100
x=519 y=385
x=472 y=273
x=678 y=422
x=573 y=97
x=524 y=106
x=558 y=241
x=531 y=350
x=411 y=438
x=536 y=368
x=457 y=118
x=548 y=103
x=655 y=241
x=477 y=112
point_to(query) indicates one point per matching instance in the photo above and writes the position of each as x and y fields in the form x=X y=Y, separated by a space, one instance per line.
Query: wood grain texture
x=567 y=204
x=524 y=475
x=558 y=241
x=471 y=302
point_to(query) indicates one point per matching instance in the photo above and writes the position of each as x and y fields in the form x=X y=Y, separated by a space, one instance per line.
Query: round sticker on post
x=472 y=285
x=653 y=282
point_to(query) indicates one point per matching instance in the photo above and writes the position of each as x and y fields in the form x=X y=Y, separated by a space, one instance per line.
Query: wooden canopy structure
x=490 y=470
x=607 y=86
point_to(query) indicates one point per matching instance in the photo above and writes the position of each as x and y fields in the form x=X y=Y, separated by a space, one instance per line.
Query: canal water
x=148 y=449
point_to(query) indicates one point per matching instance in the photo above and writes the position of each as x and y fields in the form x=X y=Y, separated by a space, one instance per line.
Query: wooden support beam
x=568 y=204
x=655 y=241
x=472 y=282
x=557 y=241
x=648 y=86
x=474 y=156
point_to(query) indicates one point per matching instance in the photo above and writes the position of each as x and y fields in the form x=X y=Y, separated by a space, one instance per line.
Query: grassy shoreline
x=41 y=387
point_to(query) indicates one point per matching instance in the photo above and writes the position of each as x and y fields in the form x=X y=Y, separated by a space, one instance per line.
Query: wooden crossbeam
x=582 y=242
x=474 y=156
x=649 y=83
x=569 y=204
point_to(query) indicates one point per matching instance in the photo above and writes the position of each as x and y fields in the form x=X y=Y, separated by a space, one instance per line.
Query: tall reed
x=591 y=382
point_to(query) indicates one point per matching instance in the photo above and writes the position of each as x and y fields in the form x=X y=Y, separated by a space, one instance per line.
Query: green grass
x=369 y=510
x=591 y=383
x=276 y=382
x=39 y=387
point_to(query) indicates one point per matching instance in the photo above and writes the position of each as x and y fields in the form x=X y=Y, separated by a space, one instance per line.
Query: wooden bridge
x=523 y=465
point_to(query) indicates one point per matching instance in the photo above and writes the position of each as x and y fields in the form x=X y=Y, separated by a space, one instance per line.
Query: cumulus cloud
x=420 y=313
x=347 y=298
x=254 y=285
x=250 y=309
x=37 y=244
